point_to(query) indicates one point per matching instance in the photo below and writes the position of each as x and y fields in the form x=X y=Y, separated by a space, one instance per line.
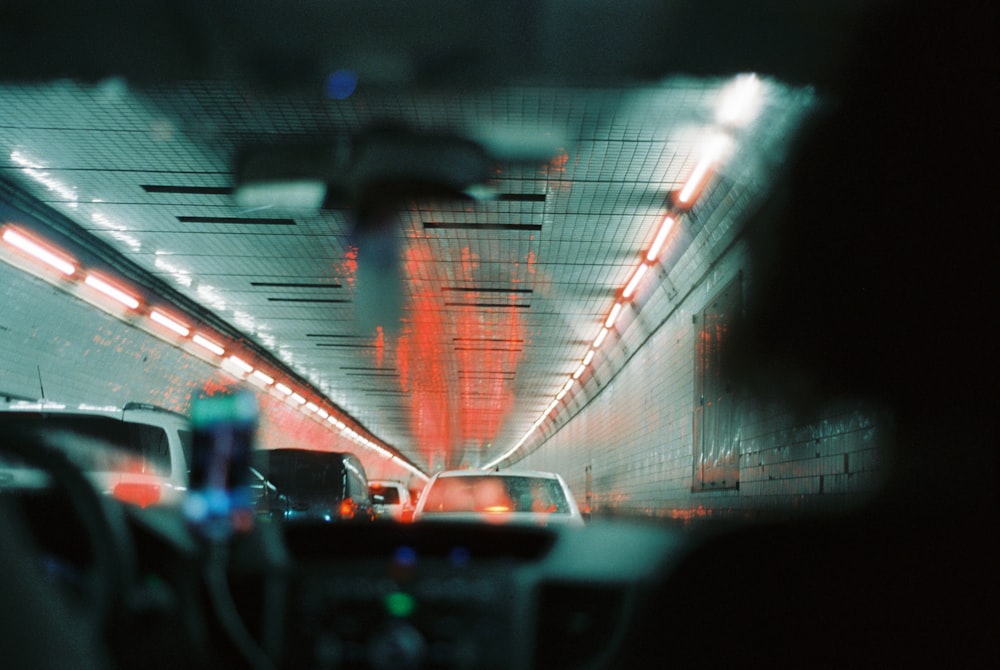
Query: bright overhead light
x=661 y=237
x=634 y=282
x=589 y=357
x=260 y=376
x=312 y=407
x=298 y=399
x=208 y=344
x=38 y=252
x=164 y=320
x=283 y=389
x=579 y=371
x=240 y=364
x=712 y=153
x=323 y=414
x=601 y=337
x=111 y=291
x=613 y=316
x=740 y=101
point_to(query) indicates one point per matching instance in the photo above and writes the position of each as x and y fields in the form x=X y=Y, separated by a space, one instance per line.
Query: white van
x=138 y=453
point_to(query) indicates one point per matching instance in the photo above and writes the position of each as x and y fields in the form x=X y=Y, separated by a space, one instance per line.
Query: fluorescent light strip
x=111 y=291
x=298 y=399
x=166 y=321
x=634 y=282
x=713 y=151
x=260 y=376
x=312 y=407
x=208 y=344
x=37 y=251
x=613 y=316
x=579 y=371
x=661 y=237
x=589 y=357
x=601 y=337
x=322 y=413
x=242 y=365
x=282 y=388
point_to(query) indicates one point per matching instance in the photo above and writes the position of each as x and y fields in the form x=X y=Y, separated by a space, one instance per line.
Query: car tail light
x=134 y=493
x=347 y=508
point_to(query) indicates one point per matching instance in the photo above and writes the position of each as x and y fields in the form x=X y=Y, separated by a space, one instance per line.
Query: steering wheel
x=107 y=580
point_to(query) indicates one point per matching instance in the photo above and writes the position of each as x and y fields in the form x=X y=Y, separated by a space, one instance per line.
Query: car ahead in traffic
x=391 y=499
x=308 y=485
x=531 y=497
x=138 y=453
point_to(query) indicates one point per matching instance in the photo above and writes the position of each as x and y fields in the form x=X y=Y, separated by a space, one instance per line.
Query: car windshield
x=495 y=494
x=712 y=279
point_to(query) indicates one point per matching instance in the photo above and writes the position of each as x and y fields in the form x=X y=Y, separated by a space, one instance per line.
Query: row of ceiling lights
x=738 y=105
x=112 y=296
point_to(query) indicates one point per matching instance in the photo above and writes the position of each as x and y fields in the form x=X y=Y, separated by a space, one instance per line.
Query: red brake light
x=347 y=509
x=133 y=493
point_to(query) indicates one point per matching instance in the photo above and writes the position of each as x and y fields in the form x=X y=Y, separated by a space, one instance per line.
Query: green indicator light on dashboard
x=400 y=604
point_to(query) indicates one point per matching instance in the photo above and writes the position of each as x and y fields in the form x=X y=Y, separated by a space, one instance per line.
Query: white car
x=137 y=453
x=391 y=499
x=531 y=497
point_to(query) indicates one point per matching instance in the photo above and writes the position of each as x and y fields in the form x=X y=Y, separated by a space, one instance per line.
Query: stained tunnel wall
x=55 y=345
x=626 y=444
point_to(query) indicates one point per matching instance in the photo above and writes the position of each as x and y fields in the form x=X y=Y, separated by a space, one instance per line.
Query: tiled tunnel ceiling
x=502 y=295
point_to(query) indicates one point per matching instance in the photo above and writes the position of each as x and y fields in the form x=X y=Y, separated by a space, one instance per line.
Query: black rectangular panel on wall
x=716 y=431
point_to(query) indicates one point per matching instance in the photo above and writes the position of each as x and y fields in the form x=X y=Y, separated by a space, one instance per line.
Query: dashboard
x=445 y=595
x=141 y=588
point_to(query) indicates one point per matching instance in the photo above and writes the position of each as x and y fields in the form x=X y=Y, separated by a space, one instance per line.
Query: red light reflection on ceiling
x=348 y=268
x=379 y=346
x=455 y=364
x=425 y=364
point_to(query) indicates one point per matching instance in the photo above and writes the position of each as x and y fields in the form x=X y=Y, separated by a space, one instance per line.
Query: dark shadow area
x=874 y=268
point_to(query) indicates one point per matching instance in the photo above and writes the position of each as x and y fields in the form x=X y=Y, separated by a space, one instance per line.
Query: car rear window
x=496 y=494
x=390 y=494
x=133 y=447
x=301 y=472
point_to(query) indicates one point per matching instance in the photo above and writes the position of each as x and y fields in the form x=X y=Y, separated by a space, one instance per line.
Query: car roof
x=535 y=474
x=83 y=409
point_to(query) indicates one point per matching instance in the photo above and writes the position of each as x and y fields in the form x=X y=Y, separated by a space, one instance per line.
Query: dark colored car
x=300 y=484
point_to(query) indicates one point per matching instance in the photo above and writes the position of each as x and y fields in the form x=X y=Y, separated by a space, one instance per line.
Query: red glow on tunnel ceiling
x=456 y=362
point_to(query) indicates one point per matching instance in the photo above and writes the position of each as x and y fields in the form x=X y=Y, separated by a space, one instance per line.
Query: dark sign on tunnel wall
x=716 y=431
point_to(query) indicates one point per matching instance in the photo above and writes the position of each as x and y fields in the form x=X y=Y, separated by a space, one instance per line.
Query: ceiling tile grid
x=502 y=295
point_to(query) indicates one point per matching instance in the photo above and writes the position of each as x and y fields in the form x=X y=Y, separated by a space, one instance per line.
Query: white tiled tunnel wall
x=634 y=432
x=52 y=341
